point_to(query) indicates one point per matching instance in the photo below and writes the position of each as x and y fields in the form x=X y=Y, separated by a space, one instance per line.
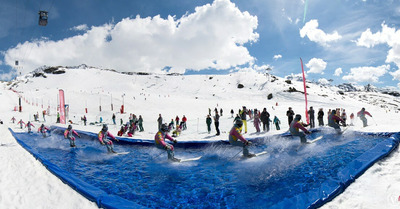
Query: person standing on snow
x=256 y=120
x=265 y=119
x=184 y=119
x=232 y=113
x=160 y=121
x=333 y=121
x=159 y=140
x=68 y=134
x=311 y=113
x=216 y=122
x=140 y=123
x=277 y=122
x=362 y=114
x=208 y=122
x=113 y=119
x=290 y=115
x=21 y=123
x=102 y=136
x=295 y=126
x=29 y=125
x=243 y=116
x=13 y=119
x=321 y=117
x=236 y=139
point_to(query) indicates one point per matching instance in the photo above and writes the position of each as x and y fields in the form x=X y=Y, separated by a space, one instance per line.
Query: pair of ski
x=198 y=158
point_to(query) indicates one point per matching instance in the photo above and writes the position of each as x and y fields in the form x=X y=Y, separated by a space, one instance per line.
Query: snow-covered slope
x=192 y=96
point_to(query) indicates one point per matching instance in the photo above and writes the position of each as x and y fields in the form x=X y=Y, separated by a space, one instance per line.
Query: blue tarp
x=312 y=199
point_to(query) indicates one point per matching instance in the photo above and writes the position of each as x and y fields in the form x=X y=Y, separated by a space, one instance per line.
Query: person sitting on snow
x=295 y=125
x=102 y=136
x=68 y=134
x=159 y=140
x=236 y=139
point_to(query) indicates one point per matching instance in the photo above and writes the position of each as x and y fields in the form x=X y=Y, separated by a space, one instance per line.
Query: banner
x=62 y=107
x=305 y=91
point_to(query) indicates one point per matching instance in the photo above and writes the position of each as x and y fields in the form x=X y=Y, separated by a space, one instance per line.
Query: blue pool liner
x=312 y=199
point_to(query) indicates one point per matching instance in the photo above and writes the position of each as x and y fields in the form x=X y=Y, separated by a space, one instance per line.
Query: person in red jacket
x=184 y=119
x=68 y=134
x=362 y=114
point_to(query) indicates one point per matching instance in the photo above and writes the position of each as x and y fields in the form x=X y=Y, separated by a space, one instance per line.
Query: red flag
x=62 y=107
x=305 y=91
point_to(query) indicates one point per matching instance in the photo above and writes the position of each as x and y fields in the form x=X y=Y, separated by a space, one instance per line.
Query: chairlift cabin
x=43 y=18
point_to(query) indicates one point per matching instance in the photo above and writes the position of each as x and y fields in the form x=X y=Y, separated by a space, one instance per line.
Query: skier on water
x=102 y=136
x=68 y=134
x=295 y=125
x=236 y=139
x=159 y=140
x=43 y=129
x=333 y=121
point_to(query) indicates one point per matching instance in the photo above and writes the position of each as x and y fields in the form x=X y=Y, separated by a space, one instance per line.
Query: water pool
x=218 y=179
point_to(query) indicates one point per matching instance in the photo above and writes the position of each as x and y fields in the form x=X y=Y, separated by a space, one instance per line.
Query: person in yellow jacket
x=236 y=139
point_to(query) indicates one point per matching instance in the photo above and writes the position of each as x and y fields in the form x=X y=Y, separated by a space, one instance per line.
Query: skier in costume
x=160 y=143
x=236 y=139
x=362 y=114
x=333 y=121
x=68 y=134
x=29 y=125
x=295 y=126
x=21 y=123
x=43 y=129
x=102 y=136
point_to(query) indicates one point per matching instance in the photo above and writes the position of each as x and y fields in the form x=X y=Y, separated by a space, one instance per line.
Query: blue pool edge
x=312 y=199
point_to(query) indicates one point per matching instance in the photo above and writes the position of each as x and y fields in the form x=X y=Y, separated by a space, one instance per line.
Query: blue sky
x=355 y=41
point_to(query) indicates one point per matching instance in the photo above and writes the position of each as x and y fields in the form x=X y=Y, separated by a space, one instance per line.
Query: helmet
x=297 y=117
x=239 y=123
x=164 y=128
x=69 y=127
x=105 y=128
x=363 y=109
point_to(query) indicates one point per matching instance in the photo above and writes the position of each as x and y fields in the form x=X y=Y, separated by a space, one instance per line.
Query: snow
x=25 y=183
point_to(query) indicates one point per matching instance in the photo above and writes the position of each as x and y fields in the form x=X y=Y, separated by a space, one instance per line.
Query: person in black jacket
x=321 y=117
x=290 y=115
x=311 y=113
x=265 y=119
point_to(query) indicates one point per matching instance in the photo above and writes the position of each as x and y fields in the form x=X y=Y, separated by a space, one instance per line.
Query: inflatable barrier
x=313 y=198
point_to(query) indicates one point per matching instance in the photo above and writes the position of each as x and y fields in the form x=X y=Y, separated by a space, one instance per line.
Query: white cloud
x=323 y=81
x=213 y=36
x=316 y=65
x=338 y=72
x=311 y=30
x=387 y=35
x=82 y=27
x=278 y=56
x=396 y=75
x=366 y=74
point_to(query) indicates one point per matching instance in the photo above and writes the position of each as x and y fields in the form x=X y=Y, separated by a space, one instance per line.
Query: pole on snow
x=305 y=91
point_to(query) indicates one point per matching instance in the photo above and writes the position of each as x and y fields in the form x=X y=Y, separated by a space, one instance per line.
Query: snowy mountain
x=102 y=92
